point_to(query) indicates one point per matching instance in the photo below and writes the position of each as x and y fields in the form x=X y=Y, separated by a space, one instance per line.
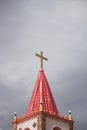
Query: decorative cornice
x=30 y=116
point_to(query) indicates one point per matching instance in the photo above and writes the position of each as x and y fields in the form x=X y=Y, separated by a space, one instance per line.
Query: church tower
x=42 y=113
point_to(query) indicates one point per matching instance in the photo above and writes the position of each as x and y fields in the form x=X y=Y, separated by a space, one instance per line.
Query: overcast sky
x=59 y=29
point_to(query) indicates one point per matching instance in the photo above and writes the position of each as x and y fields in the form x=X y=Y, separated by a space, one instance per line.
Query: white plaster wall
x=50 y=123
x=28 y=123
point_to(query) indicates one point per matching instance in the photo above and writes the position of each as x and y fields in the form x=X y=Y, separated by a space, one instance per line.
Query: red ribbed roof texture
x=42 y=96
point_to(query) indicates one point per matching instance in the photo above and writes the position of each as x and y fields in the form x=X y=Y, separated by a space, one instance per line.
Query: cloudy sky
x=59 y=29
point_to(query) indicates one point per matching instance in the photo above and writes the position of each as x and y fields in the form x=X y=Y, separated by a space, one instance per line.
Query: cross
x=41 y=58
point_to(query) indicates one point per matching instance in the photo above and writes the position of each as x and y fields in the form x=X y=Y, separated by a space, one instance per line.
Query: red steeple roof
x=42 y=99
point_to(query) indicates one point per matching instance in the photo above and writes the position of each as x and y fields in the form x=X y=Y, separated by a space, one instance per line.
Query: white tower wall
x=28 y=124
x=50 y=124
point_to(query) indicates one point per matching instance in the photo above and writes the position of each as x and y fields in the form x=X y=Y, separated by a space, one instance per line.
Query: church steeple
x=42 y=112
x=42 y=99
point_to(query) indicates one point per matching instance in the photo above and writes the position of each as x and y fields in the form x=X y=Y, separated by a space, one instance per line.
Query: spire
x=42 y=99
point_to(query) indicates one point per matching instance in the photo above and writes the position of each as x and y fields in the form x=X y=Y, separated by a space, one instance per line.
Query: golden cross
x=41 y=58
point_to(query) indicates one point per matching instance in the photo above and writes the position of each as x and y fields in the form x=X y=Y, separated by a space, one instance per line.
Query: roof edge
x=30 y=116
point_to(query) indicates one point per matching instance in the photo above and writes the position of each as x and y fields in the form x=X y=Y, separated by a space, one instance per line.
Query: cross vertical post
x=41 y=59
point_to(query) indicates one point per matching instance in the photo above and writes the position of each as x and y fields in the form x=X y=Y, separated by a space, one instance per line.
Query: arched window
x=27 y=128
x=20 y=128
x=56 y=128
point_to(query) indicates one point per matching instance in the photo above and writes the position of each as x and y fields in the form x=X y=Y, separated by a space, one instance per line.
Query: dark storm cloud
x=58 y=28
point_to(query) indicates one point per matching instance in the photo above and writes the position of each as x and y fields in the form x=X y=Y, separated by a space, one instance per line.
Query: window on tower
x=56 y=128
x=20 y=128
x=26 y=129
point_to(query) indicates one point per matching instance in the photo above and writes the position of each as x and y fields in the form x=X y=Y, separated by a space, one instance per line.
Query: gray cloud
x=56 y=27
